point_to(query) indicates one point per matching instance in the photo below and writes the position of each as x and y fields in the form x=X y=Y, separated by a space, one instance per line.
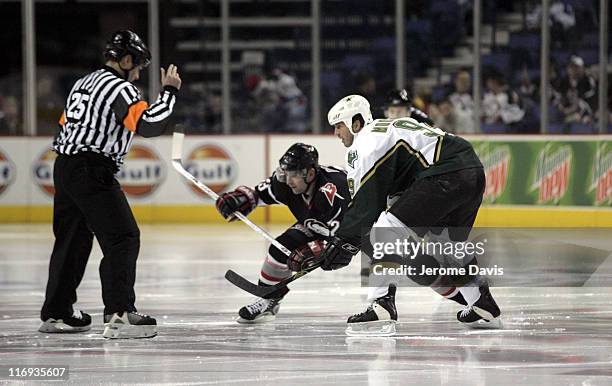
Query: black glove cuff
x=345 y=245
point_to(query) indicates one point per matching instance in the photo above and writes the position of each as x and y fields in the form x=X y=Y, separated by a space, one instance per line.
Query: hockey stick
x=278 y=290
x=267 y=292
x=177 y=150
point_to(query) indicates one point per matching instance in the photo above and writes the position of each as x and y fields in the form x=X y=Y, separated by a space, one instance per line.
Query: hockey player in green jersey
x=440 y=181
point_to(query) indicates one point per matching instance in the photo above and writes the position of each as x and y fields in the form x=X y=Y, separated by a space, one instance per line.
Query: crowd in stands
x=274 y=97
x=573 y=102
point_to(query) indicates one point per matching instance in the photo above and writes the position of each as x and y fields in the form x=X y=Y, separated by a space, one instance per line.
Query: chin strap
x=126 y=73
x=310 y=183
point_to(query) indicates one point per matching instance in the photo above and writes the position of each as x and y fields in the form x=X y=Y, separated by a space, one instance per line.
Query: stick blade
x=274 y=291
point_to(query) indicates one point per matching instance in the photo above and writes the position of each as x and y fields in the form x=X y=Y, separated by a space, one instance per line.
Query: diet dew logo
x=7 y=172
x=496 y=164
x=601 y=182
x=552 y=174
x=42 y=172
x=142 y=173
x=212 y=165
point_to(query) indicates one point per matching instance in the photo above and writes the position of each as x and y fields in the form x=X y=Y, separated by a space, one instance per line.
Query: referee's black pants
x=89 y=200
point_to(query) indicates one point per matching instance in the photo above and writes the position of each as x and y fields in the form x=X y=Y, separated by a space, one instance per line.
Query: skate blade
x=482 y=324
x=115 y=331
x=484 y=313
x=259 y=320
x=61 y=328
x=375 y=328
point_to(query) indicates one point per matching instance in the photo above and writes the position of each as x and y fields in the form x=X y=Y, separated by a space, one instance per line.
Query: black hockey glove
x=337 y=254
x=306 y=256
x=243 y=200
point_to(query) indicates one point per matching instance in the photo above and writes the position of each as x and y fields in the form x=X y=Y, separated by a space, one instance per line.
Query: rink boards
x=531 y=181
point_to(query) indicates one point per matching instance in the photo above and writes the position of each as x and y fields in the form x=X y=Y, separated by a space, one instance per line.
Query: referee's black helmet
x=126 y=42
x=398 y=98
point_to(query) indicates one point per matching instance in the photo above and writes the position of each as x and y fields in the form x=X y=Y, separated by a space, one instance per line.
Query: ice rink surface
x=552 y=336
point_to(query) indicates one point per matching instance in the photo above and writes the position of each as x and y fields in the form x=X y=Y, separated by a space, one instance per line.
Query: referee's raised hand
x=170 y=77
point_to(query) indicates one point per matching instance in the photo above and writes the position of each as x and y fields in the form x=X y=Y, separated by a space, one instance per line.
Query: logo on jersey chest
x=329 y=190
x=351 y=158
x=321 y=228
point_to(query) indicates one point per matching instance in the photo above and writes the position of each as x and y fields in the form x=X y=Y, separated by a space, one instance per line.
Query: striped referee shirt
x=102 y=113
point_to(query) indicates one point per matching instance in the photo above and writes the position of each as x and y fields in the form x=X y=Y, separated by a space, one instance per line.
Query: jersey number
x=264 y=185
x=383 y=125
x=422 y=127
x=77 y=107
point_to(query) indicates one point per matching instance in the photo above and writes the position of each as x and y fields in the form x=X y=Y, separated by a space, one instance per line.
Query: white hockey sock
x=376 y=292
x=273 y=271
x=471 y=294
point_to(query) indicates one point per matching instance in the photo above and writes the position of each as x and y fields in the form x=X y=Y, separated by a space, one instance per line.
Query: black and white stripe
x=95 y=111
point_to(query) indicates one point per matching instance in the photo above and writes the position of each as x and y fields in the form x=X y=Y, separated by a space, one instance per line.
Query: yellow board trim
x=145 y=214
x=506 y=216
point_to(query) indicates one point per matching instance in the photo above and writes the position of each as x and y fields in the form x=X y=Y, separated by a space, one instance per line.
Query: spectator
x=266 y=100
x=9 y=116
x=281 y=103
x=562 y=21
x=529 y=95
x=578 y=93
x=292 y=106
x=461 y=98
x=501 y=104
x=453 y=120
x=528 y=89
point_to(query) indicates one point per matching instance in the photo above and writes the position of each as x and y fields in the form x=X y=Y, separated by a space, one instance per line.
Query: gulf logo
x=213 y=166
x=42 y=172
x=7 y=172
x=143 y=171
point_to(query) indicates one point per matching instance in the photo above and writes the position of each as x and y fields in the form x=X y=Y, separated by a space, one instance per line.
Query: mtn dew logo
x=601 y=180
x=496 y=162
x=552 y=173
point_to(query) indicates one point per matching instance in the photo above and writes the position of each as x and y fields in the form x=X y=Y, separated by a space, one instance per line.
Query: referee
x=103 y=112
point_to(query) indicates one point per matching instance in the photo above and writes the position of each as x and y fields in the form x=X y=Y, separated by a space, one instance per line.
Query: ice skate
x=125 y=325
x=377 y=320
x=261 y=311
x=78 y=322
x=485 y=313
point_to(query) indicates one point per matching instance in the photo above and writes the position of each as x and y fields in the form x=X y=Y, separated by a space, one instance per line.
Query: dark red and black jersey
x=321 y=213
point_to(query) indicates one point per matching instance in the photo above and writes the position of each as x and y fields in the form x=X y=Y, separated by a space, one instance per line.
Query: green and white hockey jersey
x=386 y=157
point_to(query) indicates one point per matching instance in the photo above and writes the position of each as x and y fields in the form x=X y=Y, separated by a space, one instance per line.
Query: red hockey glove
x=305 y=256
x=243 y=200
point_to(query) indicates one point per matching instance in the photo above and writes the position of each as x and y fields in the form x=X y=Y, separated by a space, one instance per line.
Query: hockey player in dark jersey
x=316 y=195
x=440 y=181
x=399 y=105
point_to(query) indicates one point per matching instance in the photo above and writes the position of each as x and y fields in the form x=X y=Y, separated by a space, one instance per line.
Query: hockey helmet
x=398 y=98
x=299 y=158
x=346 y=108
x=126 y=42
